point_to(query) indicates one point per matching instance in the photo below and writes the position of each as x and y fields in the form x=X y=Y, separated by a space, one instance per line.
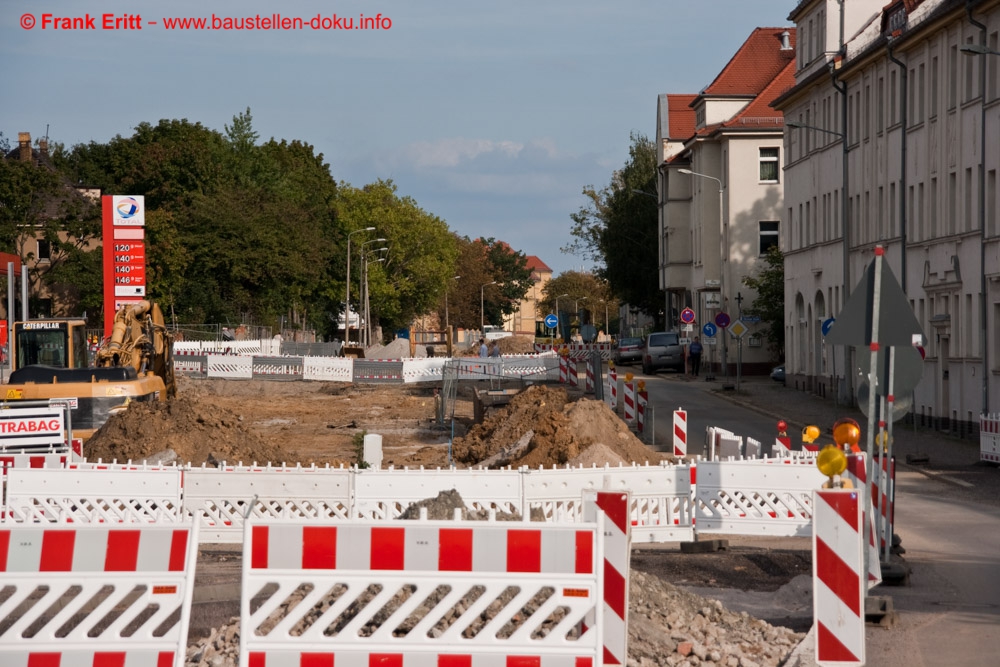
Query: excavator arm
x=140 y=339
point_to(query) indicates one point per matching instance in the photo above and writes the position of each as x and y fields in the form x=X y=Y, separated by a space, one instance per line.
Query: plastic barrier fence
x=96 y=595
x=422 y=592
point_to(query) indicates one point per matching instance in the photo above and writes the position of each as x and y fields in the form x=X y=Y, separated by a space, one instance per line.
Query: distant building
x=717 y=222
x=528 y=318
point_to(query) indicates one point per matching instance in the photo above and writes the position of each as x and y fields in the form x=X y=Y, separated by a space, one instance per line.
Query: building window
x=768 y=236
x=44 y=254
x=769 y=165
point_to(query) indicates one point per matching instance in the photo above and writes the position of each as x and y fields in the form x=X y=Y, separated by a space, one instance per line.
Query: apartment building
x=720 y=192
x=893 y=128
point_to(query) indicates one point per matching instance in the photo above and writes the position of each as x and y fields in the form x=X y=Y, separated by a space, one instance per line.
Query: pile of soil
x=581 y=432
x=508 y=345
x=184 y=429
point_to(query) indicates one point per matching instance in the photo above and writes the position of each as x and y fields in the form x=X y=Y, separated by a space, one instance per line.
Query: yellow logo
x=15 y=393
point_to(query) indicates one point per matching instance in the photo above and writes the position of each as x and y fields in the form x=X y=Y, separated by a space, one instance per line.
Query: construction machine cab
x=58 y=343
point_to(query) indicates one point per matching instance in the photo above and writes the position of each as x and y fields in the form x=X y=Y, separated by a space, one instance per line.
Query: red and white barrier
x=65 y=581
x=629 y=396
x=535 y=571
x=573 y=373
x=838 y=588
x=590 y=379
x=680 y=432
x=782 y=446
x=616 y=508
x=642 y=399
x=613 y=387
x=857 y=473
x=989 y=438
x=563 y=369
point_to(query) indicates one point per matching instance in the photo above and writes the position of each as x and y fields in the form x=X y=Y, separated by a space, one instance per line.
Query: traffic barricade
x=385 y=494
x=278 y=368
x=422 y=592
x=78 y=594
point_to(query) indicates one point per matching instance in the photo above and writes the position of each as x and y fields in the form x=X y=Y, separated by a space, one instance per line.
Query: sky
x=491 y=115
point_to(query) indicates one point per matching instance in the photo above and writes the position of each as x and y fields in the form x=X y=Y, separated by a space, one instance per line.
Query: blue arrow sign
x=827 y=325
x=709 y=329
x=551 y=321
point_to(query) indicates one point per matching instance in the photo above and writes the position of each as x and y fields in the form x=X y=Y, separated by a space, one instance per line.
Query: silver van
x=662 y=350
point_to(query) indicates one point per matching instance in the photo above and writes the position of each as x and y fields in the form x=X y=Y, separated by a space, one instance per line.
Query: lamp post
x=447 y=324
x=558 y=318
x=724 y=259
x=347 y=291
x=577 y=307
x=845 y=229
x=607 y=324
x=482 y=305
x=982 y=50
x=366 y=300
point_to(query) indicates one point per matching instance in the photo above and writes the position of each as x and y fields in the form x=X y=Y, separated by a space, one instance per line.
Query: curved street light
x=347 y=291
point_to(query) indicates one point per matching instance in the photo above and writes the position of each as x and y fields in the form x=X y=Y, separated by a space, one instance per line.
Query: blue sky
x=492 y=115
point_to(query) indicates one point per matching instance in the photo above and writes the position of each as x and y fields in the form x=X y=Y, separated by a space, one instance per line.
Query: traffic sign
x=687 y=316
x=750 y=319
x=722 y=320
x=551 y=321
x=738 y=329
x=827 y=325
x=709 y=329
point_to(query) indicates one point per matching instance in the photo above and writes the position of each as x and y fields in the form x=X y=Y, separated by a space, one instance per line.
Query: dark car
x=627 y=351
x=662 y=350
x=778 y=373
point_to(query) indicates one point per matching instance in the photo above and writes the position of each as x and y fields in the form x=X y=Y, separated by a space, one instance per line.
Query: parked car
x=627 y=351
x=662 y=350
x=778 y=373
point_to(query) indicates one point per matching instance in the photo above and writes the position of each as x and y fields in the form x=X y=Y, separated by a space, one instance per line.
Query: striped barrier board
x=278 y=368
x=642 y=399
x=615 y=507
x=563 y=369
x=838 y=590
x=629 y=400
x=499 y=580
x=613 y=387
x=782 y=446
x=680 y=432
x=590 y=379
x=989 y=438
x=96 y=595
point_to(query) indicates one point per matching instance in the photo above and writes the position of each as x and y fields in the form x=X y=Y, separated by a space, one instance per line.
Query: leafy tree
x=769 y=304
x=593 y=295
x=618 y=229
x=491 y=271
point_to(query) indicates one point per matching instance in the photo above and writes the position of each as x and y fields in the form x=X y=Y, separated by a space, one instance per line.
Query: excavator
x=50 y=359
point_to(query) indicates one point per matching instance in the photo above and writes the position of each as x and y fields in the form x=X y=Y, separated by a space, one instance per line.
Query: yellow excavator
x=50 y=359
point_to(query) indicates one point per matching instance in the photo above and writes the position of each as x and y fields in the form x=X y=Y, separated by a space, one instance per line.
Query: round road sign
x=827 y=325
x=709 y=329
x=687 y=316
x=551 y=321
x=722 y=320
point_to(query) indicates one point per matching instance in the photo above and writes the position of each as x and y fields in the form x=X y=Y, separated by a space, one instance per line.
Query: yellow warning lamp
x=629 y=377
x=832 y=461
x=611 y=365
x=641 y=385
x=810 y=433
x=882 y=440
x=846 y=434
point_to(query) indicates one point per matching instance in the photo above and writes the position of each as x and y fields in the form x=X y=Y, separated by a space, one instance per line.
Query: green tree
x=618 y=229
x=769 y=304
x=591 y=293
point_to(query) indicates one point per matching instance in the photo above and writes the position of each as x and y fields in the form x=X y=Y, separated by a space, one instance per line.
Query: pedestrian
x=483 y=350
x=495 y=349
x=694 y=351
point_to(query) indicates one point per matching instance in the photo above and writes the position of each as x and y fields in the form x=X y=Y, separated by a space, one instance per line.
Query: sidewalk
x=799 y=409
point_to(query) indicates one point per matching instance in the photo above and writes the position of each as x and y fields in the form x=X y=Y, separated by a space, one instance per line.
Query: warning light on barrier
x=810 y=433
x=832 y=462
x=782 y=426
x=846 y=434
x=629 y=377
x=641 y=384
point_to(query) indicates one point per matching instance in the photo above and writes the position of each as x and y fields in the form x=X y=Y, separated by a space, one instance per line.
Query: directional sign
x=827 y=325
x=722 y=320
x=687 y=316
x=737 y=329
x=750 y=319
x=709 y=329
x=551 y=321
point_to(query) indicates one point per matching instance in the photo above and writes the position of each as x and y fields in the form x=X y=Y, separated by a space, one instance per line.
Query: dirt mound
x=182 y=425
x=562 y=432
x=517 y=345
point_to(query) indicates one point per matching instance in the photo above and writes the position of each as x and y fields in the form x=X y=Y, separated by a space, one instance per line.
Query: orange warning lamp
x=810 y=433
x=846 y=433
x=629 y=377
x=641 y=384
x=611 y=364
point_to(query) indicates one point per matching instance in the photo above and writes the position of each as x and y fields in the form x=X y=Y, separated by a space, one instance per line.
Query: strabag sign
x=128 y=210
x=31 y=427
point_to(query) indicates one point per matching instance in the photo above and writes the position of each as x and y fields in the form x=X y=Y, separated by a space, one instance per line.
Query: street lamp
x=577 y=307
x=724 y=234
x=558 y=318
x=607 y=323
x=482 y=305
x=347 y=291
x=846 y=231
x=982 y=50
x=366 y=301
x=447 y=324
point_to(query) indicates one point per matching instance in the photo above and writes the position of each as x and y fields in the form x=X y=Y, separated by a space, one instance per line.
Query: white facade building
x=891 y=87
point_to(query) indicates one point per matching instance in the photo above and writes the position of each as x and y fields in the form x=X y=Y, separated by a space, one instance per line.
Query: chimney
x=43 y=147
x=786 y=43
x=24 y=146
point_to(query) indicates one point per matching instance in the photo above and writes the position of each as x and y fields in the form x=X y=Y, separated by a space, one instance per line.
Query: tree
x=618 y=228
x=593 y=295
x=769 y=304
x=480 y=262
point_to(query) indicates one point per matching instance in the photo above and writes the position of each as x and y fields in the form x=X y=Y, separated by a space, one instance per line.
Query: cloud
x=451 y=152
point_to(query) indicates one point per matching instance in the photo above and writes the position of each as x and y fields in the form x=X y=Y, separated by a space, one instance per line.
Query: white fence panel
x=329 y=369
x=525 y=589
x=229 y=366
x=385 y=494
x=755 y=498
x=92 y=495
x=423 y=370
x=224 y=497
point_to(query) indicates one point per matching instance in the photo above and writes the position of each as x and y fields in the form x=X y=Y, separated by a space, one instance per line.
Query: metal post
x=872 y=387
x=24 y=293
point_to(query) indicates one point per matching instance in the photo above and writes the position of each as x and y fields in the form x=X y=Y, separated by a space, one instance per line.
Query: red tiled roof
x=680 y=116
x=755 y=65
x=759 y=113
x=535 y=264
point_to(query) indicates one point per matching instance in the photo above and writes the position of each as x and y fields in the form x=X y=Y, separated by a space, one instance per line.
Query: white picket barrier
x=755 y=498
x=327 y=369
x=93 y=495
x=423 y=370
x=496 y=593
x=385 y=494
x=223 y=497
x=229 y=366
x=78 y=594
